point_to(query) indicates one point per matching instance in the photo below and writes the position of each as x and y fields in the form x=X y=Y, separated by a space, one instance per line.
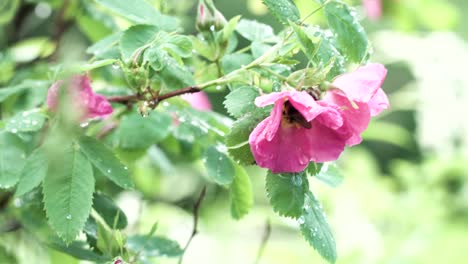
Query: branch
x=196 y=208
x=263 y=243
x=155 y=100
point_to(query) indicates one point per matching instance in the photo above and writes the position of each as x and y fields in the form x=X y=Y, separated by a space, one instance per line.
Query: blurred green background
x=404 y=198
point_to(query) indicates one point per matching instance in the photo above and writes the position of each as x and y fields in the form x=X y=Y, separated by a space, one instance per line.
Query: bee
x=292 y=116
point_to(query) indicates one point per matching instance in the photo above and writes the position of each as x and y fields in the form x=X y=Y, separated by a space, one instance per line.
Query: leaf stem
x=196 y=209
x=263 y=243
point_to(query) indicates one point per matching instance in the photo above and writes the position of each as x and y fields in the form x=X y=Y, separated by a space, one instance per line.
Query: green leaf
x=68 y=193
x=109 y=211
x=307 y=46
x=241 y=100
x=6 y=92
x=79 y=250
x=351 y=38
x=28 y=121
x=174 y=75
x=287 y=192
x=33 y=172
x=102 y=48
x=106 y=161
x=330 y=174
x=12 y=154
x=232 y=62
x=313 y=168
x=237 y=140
x=255 y=31
x=180 y=45
x=315 y=229
x=141 y=12
x=327 y=51
x=137 y=132
x=240 y=194
x=7 y=10
x=154 y=246
x=283 y=10
x=219 y=166
x=135 y=39
x=31 y=49
x=259 y=48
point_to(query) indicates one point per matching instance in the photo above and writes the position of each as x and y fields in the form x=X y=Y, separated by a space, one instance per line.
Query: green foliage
x=12 y=156
x=135 y=39
x=104 y=159
x=255 y=31
x=283 y=10
x=241 y=101
x=287 y=192
x=240 y=193
x=78 y=250
x=315 y=228
x=218 y=165
x=237 y=140
x=141 y=12
x=351 y=38
x=33 y=172
x=28 y=121
x=6 y=92
x=137 y=132
x=330 y=174
x=109 y=211
x=68 y=193
x=7 y=10
x=153 y=246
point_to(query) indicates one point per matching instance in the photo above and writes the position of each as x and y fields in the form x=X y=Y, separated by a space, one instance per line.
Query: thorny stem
x=129 y=99
x=196 y=208
x=263 y=243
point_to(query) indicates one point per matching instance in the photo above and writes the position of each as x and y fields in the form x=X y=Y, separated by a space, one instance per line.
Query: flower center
x=292 y=117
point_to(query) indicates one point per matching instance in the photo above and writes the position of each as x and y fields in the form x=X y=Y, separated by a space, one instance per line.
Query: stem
x=263 y=243
x=196 y=208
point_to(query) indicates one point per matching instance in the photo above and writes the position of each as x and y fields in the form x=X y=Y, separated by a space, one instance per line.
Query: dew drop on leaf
x=68 y=217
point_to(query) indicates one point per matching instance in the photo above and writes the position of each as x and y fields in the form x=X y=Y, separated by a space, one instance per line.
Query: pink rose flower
x=373 y=8
x=198 y=100
x=299 y=130
x=84 y=100
x=359 y=96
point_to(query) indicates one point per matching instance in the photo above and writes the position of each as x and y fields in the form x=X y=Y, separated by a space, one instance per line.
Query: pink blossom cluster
x=301 y=129
x=82 y=97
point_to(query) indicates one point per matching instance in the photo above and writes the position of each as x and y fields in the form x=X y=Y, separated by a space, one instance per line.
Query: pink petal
x=363 y=83
x=355 y=120
x=373 y=8
x=82 y=98
x=292 y=148
x=53 y=94
x=302 y=101
x=378 y=103
x=199 y=100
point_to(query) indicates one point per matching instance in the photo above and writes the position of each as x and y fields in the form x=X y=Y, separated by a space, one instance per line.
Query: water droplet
x=14 y=130
x=24 y=114
x=109 y=170
x=165 y=104
x=18 y=202
x=212 y=28
x=125 y=168
x=301 y=220
x=68 y=217
x=115 y=66
x=220 y=158
x=218 y=87
x=85 y=124
x=297 y=180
